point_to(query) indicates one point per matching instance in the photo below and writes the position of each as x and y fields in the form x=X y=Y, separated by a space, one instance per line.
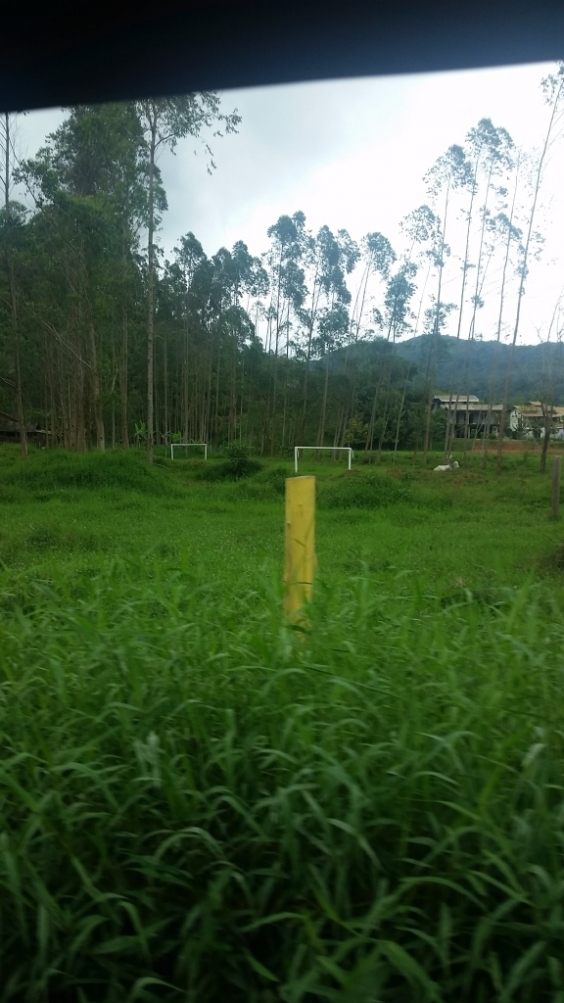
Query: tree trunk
x=500 y=316
x=324 y=404
x=477 y=295
x=166 y=419
x=96 y=396
x=370 y=433
x=20 y=413
x=400 y=414
x=311 y=324
x=287 y=369
x=217 y=380
x=123 y=375
x=385 y=421
x=357 y=324
x=448 y=443
x=151 y=292
x=436 y=332
x=536 y=190
x=524 y=268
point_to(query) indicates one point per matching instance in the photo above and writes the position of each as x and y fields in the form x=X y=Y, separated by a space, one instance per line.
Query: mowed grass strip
x=198 y=804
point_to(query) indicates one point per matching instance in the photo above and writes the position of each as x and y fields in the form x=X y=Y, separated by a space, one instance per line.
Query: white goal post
x=186 y=445
x=331 y=449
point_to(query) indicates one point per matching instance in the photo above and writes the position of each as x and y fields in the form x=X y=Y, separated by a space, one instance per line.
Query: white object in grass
x=451 y=465
x=332 y=449
x=186 y=445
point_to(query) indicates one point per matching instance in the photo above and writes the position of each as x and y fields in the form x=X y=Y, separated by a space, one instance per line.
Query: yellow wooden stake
x=299 y=564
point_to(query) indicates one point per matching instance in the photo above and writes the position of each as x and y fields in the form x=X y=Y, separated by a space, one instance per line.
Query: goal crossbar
x=330 y=449
x=185 y=445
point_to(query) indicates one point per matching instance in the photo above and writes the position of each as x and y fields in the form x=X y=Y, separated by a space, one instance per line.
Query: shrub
x=237 y=466
x=239 y=463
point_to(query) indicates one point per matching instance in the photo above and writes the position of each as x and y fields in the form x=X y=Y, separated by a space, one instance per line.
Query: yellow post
x=299 y=564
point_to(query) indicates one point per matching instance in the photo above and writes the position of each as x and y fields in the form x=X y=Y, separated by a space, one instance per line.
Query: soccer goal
x=188 y=445
x=331 y=449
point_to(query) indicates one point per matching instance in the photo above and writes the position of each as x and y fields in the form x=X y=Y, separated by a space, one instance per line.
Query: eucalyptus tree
x=400 y=414
x=550 y=375
x=491 y=150
x=14 y=248
x=323 y=254
x=289 y=242
x=189 y=255
x=81 y=235
x=100 y=153
x=204 y=323
x=423 y=228
x=165 y=121
x=295 y=294
x=340 y=257
x=493 y=155
x=203 y=309
x=394 y=320
x=553 y=90
x=193 y=318
x=400 y=290
x=331 y=258
x=11 y=234
x=333 y=328
x=86 y=182
x=451 y=172
x=377 y=256
x=5 y=154
x=213 y=324
x=508 y=236
x=489 y=153
x=238 y=273
x=434 y=325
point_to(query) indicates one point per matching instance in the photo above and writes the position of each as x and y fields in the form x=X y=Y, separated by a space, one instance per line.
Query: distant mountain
x=470 y=367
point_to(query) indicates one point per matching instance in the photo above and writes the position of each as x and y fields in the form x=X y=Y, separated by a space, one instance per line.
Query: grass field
x=198 y=803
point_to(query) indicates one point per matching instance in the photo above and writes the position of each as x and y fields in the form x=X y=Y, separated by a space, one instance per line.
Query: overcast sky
x=350 y=154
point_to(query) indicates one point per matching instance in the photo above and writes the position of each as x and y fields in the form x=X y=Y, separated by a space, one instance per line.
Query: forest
x=105 y=341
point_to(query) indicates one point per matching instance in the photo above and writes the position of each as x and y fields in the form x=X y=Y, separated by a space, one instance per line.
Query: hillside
x=469 y=368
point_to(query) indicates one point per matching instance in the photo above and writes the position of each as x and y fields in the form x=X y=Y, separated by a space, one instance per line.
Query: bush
x=237 y=466
x=239 y=463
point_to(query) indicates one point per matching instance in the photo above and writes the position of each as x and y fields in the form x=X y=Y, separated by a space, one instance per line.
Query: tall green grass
x=50 y=472
x=198 y=803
